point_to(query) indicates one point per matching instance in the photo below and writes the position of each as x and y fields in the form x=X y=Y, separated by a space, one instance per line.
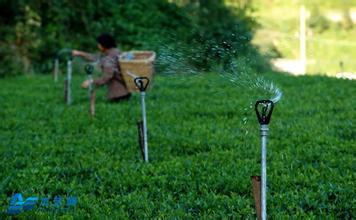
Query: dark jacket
x=112 y=77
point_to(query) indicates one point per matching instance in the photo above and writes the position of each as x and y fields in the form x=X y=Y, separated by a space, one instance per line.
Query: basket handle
x=142 y=83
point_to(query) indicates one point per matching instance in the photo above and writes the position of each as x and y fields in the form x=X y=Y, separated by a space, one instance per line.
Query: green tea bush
x=204 y=145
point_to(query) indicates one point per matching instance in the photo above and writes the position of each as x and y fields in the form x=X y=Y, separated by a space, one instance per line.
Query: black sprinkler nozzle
x=266 y=111
x=70 y=56
x=142 y=83
x=89 y=69
x=65 y=54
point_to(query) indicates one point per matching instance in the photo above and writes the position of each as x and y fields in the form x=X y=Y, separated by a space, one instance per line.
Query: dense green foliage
x=204 y=146
x=205 y=33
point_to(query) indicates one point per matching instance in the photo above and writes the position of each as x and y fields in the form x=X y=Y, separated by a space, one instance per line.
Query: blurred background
x=330 y=45
x=204 y=33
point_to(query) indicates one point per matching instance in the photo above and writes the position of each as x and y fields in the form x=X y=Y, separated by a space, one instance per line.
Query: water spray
x=142 y=84
x=91 y=92
x=263 y=110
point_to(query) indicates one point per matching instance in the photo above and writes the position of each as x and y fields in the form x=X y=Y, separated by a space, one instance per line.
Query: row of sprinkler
x=140 y=82
x=263 y=109
x=67 y=83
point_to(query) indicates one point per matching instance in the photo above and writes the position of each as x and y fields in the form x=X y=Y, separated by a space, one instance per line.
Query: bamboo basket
x=136 y=64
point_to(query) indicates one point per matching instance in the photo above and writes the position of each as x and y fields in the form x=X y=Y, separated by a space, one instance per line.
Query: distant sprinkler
x=91 y=92
x=67 y=54
x=68 y=82
x=56 y=67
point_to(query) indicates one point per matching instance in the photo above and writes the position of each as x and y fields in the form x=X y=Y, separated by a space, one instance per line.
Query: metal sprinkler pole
x=91 y=92
x=264 y=134
x=56 y=68
x=263 y=118
x=69 y=81
x=142 y=83
x=143 y=107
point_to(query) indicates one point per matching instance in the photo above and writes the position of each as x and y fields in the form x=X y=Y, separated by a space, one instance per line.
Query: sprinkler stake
x=264 y=116
x=91 y=92
x=141 y=84
x=56 y=68
x=68 y=82
x=141 y=141
x=256 y=189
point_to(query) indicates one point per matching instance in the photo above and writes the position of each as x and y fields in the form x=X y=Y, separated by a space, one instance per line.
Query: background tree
x=206 y=33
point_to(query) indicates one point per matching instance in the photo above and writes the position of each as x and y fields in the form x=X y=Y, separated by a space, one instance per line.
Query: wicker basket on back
x=136 y=64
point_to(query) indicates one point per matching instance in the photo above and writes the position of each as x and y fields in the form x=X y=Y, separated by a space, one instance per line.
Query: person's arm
x=87 y=56
x=104 y=79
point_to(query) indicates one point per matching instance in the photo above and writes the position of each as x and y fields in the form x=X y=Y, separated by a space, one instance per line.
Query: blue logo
x=18 y=204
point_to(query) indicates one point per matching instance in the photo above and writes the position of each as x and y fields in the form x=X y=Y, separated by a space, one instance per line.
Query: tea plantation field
x=204 y=146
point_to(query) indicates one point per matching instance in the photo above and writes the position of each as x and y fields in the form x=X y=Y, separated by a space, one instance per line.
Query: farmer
x=109 y=65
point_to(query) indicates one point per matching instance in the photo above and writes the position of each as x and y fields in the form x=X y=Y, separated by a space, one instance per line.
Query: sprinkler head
x=70 y=56
x=66 y=54
x=89 y=69
x=264 y=110
x=142 y=83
